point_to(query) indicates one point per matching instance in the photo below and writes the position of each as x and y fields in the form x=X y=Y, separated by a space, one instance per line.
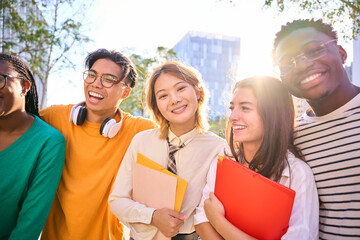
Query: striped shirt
x=331 y=147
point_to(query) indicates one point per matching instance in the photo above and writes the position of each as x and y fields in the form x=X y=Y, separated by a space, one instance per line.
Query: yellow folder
x=181 y=183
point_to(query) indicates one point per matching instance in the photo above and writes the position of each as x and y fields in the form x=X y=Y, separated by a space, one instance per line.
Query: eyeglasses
x=3 y=79
x=308 y=56
x=107 y=80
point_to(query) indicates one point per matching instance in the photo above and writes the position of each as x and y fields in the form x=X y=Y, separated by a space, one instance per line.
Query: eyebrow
x=309 y=43
x=242 y=103
x=105 y=74
x=179 y=82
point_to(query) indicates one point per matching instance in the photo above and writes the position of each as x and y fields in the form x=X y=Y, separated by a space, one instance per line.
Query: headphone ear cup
x=81 y=116
x=74 y=114
x=114 y=129
x=78 y=114
x=106 y=126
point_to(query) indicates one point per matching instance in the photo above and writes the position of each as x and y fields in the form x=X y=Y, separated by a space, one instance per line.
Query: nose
x=301 y=63
x=234 y=115
x=175 y=98
x=97 y=82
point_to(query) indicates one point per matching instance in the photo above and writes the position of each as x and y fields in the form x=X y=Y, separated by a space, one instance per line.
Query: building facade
x=216 y=57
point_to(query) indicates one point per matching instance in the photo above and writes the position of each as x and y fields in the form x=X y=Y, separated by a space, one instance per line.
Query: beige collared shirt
x=192 y=162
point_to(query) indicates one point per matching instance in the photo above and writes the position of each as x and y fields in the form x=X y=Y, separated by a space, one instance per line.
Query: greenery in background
x=335 y=11
x=218 y=125
x=135 y=103
x=47 y=32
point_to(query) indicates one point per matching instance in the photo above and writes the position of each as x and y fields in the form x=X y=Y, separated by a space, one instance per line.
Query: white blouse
x=304 y=220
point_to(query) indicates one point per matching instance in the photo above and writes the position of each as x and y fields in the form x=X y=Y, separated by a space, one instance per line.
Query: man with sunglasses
x=328 y=134
x=97 y=135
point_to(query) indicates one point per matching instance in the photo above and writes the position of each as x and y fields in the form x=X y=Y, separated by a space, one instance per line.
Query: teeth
x=238 y=127
x=179 y=109
x=312 y=77
x=93 y=94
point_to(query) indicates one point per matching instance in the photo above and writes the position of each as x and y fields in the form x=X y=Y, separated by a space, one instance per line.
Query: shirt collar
x=177 y=141
x=286 y=171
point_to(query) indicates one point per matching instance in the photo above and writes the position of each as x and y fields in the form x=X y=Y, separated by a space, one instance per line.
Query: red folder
x=253 y=203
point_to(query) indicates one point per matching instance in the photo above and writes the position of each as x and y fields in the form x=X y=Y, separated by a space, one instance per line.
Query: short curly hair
x=290 y=27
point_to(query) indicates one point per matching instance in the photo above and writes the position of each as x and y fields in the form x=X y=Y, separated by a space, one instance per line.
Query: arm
x=215 y=212
x=41 y=191
x=143 y=221
x=202 y=225
x=207 y=232
x=168 y=221
x=304 y=220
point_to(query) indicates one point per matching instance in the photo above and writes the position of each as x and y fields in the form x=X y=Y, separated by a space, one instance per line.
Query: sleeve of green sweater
x=41 y=190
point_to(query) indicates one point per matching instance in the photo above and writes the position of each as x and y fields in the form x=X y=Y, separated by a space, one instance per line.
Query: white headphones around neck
x=109 y=128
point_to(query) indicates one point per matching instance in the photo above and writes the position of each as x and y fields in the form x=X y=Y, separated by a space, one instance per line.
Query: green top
x=30 y=171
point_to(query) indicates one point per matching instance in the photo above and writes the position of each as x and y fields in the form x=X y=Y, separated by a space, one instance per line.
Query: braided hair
x=21 y=67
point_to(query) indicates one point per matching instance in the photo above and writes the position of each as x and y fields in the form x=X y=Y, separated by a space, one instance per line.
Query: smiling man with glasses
x=311 y=66
x=97 y=134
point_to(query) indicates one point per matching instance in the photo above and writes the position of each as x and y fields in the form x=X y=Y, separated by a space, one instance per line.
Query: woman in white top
x=177 y=100
x=260 y=136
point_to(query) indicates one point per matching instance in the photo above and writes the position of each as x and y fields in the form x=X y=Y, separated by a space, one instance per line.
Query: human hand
x=168 y=221
x=213 y=208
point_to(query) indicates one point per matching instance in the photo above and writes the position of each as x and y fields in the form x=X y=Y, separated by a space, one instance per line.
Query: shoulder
x=299 y=167
x=45 y=128
x=147 y=135
x=54 y=112
x=54 y=109
x=211 y=137
x=45 y=131
x=138 y=122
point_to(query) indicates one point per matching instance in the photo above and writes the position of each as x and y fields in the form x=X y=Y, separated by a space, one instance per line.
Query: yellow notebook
x=181 y=183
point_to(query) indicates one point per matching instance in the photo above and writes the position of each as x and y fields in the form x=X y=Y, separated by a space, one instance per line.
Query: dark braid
x=21 y=67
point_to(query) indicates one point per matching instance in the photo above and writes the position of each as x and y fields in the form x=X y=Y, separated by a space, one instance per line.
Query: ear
x=198 y=94
x=26 y=86
x=343 y=54
x=126 y=93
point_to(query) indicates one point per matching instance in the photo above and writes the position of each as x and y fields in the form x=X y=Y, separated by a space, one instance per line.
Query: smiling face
x=177 y=101
x=245 y=119
x=11 y=99
x=314 y=80
x=103 y=101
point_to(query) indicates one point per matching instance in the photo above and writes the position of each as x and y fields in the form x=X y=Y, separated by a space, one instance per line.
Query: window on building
x=196 y=46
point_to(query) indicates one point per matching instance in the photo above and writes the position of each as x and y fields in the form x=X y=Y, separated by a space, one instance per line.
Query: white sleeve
x=133 y=214
x=304 y=220
x=200 y=215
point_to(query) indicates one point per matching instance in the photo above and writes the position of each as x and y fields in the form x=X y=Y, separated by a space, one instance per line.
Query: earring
x=23 y=94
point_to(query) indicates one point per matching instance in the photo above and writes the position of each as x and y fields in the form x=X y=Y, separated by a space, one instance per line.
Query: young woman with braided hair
x=31 y=154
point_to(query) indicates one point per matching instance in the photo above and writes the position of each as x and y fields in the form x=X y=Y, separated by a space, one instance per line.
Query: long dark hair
x=21 y=67
x=276 y=109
